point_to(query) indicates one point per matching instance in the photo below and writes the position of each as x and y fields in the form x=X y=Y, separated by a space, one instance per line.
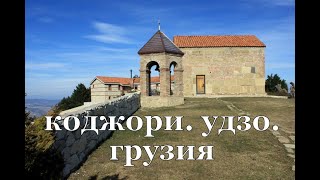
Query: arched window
x=172 y=79
x=153 y=70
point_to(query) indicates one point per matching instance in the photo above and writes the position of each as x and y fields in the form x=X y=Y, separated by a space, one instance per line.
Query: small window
x=109 y=87
x=253 y=69
x=92 y=85
x=119 y=87
x=109 y=97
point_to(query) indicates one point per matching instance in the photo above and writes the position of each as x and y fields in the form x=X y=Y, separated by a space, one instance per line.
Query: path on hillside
x=285 y=137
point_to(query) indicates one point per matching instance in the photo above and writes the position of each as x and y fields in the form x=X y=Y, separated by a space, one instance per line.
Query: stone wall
x=76 y=147
x=227 y=70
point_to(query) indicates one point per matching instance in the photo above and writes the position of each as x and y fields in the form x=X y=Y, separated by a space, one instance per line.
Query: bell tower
x=161 y=52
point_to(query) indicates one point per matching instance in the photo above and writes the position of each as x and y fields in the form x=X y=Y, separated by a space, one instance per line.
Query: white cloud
x=114 y=49
x=108 y=28
x=46 y=19
x=273 y=2
x=43 y=66
x=96 y=57
x=109 y=33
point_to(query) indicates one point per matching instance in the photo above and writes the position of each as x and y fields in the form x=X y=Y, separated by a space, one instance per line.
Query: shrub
x=42 y=160
x=271 y=83
x=80 y=95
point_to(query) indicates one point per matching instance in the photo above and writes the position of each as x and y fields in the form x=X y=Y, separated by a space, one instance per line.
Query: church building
x=203 y=66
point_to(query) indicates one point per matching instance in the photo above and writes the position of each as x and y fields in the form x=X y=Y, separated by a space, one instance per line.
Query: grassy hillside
x=246 y=155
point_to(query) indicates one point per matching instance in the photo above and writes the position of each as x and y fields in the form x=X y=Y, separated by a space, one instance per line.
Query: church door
x=201 y=84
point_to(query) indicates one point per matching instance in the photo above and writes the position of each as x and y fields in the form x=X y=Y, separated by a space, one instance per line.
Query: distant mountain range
x=39 y=107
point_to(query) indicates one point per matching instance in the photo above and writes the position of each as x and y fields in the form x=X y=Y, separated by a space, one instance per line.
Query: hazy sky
x=72 y=41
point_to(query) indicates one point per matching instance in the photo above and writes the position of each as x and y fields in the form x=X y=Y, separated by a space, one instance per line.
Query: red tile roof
x=120 y=80
x=126 y=81
x=136 y=80
x=155 y=79
x=218 y=41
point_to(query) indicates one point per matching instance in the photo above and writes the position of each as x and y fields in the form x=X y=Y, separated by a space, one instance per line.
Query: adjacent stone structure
x=106 y=88
x=204 y=66
x=161 y=52
x=76 y=147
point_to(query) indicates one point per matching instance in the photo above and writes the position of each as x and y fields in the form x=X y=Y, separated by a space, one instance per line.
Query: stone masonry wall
x=227 y=70
x=164 y=61
x=76 y=147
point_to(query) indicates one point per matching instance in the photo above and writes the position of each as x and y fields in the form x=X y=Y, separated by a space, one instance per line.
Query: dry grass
x=246 y=155
x=279 y=111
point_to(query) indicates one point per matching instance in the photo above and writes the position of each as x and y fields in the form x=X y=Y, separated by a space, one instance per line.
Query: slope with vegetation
x=42 y=160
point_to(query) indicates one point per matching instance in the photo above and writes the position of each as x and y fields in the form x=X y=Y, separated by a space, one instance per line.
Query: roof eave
x=113 y=83
x=96 y=78
x=215 y=46
x=155 y=52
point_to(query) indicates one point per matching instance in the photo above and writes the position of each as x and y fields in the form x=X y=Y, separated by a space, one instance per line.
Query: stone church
x=203 y=66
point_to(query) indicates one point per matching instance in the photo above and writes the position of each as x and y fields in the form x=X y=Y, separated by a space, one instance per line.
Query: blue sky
x=72 y=41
